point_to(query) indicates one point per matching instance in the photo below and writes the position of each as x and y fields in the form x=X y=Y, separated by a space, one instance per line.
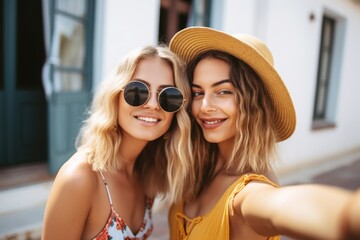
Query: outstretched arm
x=300 y=211
x=352 y=218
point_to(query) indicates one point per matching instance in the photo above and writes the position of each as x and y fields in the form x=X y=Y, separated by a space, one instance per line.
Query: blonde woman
x=132 y=147
x=241 y=109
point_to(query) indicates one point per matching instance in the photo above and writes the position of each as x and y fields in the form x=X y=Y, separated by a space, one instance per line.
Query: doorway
x=23 y=119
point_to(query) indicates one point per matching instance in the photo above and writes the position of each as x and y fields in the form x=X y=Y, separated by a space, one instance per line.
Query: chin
x=149 y=138
x=212 y=140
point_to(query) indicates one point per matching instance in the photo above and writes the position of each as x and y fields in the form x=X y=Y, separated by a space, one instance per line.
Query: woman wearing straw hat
x=241 y=109
x=124 y=160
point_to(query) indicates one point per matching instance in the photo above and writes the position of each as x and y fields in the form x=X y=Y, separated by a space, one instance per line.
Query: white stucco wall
x=299 y=65
x=121 y=26
x=294 y=41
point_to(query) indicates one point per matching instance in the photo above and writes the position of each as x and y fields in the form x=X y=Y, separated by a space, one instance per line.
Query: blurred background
x=55 y=52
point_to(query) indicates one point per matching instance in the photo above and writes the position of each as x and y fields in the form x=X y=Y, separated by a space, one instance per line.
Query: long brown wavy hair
x=255 y=141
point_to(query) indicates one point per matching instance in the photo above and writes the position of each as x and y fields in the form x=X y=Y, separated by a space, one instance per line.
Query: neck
x=225 y=150
x=219 y=168
x=129 y=151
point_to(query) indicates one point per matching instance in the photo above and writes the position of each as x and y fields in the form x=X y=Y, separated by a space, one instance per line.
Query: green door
x=23 y=125
x=2 y=86
x=67 y=74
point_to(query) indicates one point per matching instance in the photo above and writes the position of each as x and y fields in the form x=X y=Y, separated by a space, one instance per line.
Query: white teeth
x=212 y=122
x=147 y=119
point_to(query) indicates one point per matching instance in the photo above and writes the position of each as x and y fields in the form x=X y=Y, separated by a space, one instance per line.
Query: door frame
x=66 y=110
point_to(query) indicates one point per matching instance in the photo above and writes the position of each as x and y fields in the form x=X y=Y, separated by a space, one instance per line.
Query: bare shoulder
x=253 y=207
x=70 y=199
x=255 y=196
x=76 y=173
x=76 y=180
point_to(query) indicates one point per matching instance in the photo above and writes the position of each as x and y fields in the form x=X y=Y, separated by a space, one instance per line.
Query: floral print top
x=116 y=228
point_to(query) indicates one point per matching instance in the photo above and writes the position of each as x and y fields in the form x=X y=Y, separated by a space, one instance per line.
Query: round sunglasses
x=137 y=93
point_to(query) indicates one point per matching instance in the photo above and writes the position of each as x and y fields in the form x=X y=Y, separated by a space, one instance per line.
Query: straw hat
x=190 y=42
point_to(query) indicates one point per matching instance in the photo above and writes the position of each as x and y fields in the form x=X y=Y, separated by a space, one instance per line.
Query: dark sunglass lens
x=171 y=99
x=136 y=93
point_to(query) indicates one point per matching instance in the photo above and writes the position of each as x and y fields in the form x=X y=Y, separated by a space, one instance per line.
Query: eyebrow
x=214 y=84
x=148 y=84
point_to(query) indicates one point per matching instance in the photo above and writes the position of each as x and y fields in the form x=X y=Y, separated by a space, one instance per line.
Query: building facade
x=55 y=52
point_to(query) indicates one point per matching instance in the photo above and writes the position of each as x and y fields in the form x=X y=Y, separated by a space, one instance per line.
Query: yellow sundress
x=215 y=224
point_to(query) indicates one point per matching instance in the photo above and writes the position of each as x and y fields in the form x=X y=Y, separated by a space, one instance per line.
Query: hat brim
x=191 y=42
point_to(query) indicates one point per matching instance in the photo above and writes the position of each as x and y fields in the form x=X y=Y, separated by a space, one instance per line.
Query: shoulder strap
x=245 y=179
x=106 y=187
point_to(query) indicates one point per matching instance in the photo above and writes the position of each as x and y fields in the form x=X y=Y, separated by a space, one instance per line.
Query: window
x=30 y=51
x=1 y=45
x=178 y=14
x=329 y=68
x=70 y=44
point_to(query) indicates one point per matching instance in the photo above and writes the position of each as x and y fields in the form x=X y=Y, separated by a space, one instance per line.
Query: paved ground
x=21 y=209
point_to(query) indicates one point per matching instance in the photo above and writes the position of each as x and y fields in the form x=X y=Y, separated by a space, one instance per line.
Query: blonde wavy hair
x=163 y=164
x=255 y=139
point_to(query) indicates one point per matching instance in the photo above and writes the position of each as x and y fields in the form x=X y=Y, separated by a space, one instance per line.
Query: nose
x=152 y=102
x=207 y=104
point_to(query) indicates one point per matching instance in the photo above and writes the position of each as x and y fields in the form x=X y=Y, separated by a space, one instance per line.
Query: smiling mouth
x=213 y=122
x=148 y=119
